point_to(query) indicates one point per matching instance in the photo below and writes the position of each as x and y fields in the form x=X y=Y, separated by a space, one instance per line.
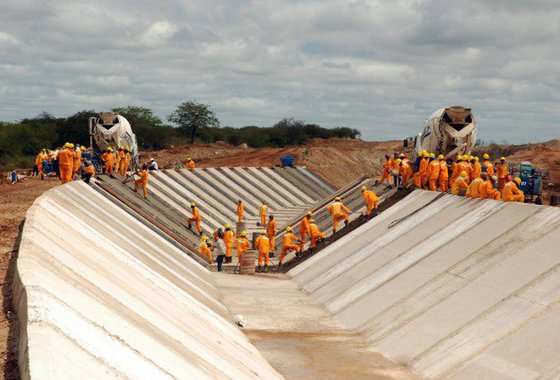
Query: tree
x=190 y=116
x=139 y=116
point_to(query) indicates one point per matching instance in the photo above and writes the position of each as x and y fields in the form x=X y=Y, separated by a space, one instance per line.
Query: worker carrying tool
x=204 y=249
x=141 y=179
x=262 y=212
x=304 y=229
x=240 y=211
x=386 y=170
x=502 y=170
x=460 y=185
x=511 y=192
x=271 y=231
x=190 y=164
x=289 y=243
x=488 y=187
x=242 y=245
x=262 y=245
x=371 y=202
x=228 y=240
x=196 y=218
x=339 y=212
x=316 y=235
x=66 y=162
x=405 y=171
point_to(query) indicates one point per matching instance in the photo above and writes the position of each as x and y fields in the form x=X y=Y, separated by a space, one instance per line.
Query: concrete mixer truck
x=109 y=129
x=449 y=131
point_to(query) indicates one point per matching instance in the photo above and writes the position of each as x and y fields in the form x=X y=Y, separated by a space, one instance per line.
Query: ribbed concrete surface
x=453 y=287
x=100 y=295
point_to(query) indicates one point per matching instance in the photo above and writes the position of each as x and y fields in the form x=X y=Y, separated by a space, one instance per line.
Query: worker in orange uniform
x=77 y=161
x=386 y=170
x=262 y=212
x=405 y=171
x=66 y=162
x=473 y=191
x=304 y=229
x=371 y=202
x=271 y=231
x=395 y=168
x=488 y=165
x=41 y=157
x=289 y=243
x=477 y=168
x=455 y=170
x=119 y=158
x=316 y=234
x=460 y=185
x=501 y=172
x=242 y=245
x=422 y=175
x=433 y=174
x=511 y=192
x=196 y=218
x=488 y=188
x=127 y=158
x=204 y=249
x=89 y=171
x=109 y=159
x=190 y=164
x=141 y=179
x=403 y=158
x=240 y=211
x=339 y=212
x=464 y=166
x=443 y=174
x=228 y=240
x=262 y=245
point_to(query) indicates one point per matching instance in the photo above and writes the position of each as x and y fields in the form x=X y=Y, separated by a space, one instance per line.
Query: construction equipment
x=449 y=131
x=113 y=130
x=531 y=180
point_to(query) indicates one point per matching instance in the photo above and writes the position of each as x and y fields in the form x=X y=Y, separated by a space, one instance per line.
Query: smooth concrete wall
x=100 y=295
x=453 y=287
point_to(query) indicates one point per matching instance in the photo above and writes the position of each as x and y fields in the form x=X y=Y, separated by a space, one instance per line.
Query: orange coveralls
x=271 y=232
x=109 y=160
x=501 y=172
x=197 y=219
x=190 y=165
x=477 y=170
x=433 y=174
x=288 y=244
x=371 y=201
x=511 y=193
x=304 y=230
x=315 y=234
x=39 y=162
x=487 y=191
x=406 y=172
x=124 y=165
x=459 y=184
x=338 y=212
x=228 y=240
x=242 y=244
x=262 y=213
x=489 y=168
x=443 y=176
x=143 y=180
x=203 y=249
x=66 y=164
x=386 y=171
x=262 y=245
x=77 y=161
x=240 y=211
x=474 y=188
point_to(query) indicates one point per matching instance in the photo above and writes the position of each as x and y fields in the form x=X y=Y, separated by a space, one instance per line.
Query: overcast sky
x=379 y=66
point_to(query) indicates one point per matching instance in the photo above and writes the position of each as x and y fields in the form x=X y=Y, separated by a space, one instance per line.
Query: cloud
x=378 y=66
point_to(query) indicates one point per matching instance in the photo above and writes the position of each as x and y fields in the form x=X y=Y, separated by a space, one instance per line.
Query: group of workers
x=64 y=162
x=466 y=176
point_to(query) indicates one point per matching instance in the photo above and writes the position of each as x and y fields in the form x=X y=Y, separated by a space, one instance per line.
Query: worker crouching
x=339 y=212
x=511 y=192
x=460 y=185
x=371 y=202
x=289 y=243
x=316 y=235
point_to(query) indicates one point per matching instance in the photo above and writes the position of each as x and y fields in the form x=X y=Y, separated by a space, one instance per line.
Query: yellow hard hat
x=243 y=233
x=440 y=157
x=121 y=147
x=432 y=155
x=227 y=225
x=424 y=151
x=71 y=146
x=66 y=145
x=204 y=238
x=401 y=155
x=464 y=174
x=502 y=158
x=309 y=213
x=399 y=161
x=312 y=221
x=193 y=204
x=459 y=158
x=486 y=156
x=263 y=232
x=476 y=159
x=189 y=159
x=109 y=149
x=518 y=180
x=82 y=148
x=364 y=188
x=289 y=229
x=337 y=199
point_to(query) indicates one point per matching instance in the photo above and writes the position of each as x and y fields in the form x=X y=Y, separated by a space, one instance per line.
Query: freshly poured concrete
x=100 y=295
x=453 y=287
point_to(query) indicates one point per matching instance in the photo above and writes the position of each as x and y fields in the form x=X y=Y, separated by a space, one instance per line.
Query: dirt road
x=16 y=200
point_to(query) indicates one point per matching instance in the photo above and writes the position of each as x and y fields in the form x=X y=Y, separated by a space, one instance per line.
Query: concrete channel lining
x=453 y=287
x=93 y=303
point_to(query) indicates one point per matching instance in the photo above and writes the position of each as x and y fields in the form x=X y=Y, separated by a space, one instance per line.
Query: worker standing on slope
x=190 y=164
x=271 y=231
x=465 y=167
x=41 y=157
x=473 y=190
x=124 y=168
x=304 y=229
x=240 y=211
x=460 y=185
x=228 y=240
x=477 y=168
x=405 y=172
x=109 y=160
x=371 y=202
x=339 y=212
x=443 y=174
x=66 y=162
x=203 y=248
x=242 y=244
x=77 y=160
x=395 y=168
x=501 y=172
x=433 y=173
x=262 y=212
x=455 y=170
x=196 y=218
x=289 y=243
x=511 y=192
x=142 y=180
x=487 y=189
x=262 y=245
x=488 y=165
x=119 y=158
x=220 y=250
x=316 y=234
x=386 y=170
